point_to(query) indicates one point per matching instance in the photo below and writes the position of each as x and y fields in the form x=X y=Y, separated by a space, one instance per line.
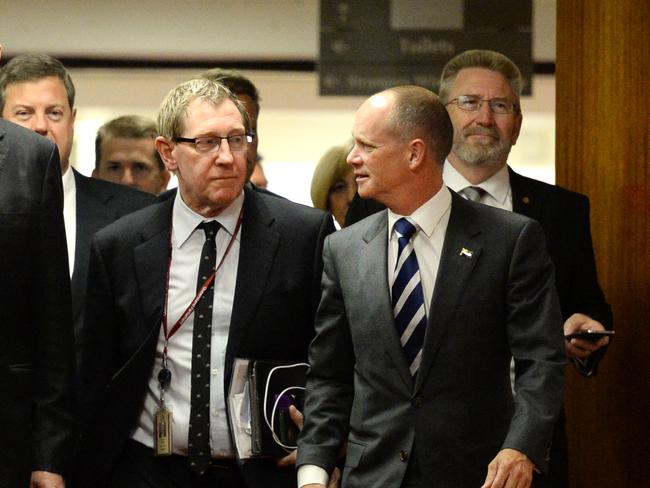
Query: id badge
x=162 y=432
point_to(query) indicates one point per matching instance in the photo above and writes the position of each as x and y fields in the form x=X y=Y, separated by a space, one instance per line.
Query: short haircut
x=235 y=82
x=419 y=113
x=479 y=58
x=174 y=107
x=127 y=127
x=34 y=67
x=331 y=168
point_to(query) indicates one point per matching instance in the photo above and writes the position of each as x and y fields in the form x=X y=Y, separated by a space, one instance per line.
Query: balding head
x=402 y=136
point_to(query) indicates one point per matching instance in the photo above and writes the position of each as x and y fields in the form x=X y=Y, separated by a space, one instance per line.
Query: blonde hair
x=173 y=108
x=331 y=168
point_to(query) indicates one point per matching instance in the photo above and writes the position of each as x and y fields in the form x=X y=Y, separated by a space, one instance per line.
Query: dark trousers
x=139 y=468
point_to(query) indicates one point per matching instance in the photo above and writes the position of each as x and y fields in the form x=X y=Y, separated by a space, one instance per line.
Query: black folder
x=272 y=387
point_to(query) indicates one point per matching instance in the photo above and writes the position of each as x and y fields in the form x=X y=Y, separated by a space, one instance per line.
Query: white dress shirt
x=432 y=218
x=497 y=188
x=70 y=214
x=187 y=243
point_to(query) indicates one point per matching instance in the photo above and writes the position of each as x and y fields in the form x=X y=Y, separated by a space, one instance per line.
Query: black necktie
x=199 y=428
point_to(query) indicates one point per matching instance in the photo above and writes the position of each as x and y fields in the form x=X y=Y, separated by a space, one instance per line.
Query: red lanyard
x=190 y=308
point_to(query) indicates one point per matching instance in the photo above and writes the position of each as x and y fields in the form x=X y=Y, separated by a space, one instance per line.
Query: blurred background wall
x=124 y=57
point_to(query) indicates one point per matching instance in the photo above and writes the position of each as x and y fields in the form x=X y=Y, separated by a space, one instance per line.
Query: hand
x=335 y=479
x=290 y=460
x=509 y=469
x=45 y=479
x=582 y=348
x=298 y=419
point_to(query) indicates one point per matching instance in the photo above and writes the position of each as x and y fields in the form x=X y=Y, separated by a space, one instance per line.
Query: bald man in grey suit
x=438 y=410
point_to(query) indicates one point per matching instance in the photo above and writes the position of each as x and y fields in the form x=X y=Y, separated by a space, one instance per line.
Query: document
x=259 y=398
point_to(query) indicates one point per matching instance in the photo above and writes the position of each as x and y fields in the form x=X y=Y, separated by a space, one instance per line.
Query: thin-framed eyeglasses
x=204 y=144
x=473 y=103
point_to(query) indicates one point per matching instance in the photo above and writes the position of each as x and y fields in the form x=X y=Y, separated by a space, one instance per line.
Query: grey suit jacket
x=276 y=294
x=36 y=347
x=496 y=301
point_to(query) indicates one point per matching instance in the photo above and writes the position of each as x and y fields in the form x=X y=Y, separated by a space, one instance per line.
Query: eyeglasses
x=236 y=143
x=472 y=103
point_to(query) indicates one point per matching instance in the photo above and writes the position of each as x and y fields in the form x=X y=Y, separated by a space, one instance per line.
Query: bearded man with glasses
x=481 y=90
x=149 y=358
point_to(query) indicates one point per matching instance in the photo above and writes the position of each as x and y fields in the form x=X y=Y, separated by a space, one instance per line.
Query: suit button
x=403 y=456
x=417 y=402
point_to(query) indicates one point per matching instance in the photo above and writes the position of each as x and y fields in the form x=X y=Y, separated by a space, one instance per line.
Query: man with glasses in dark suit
x=149 y=356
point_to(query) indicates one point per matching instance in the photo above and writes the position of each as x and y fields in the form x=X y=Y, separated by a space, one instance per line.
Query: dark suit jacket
x=564 y=216
x=460 y=412
x=36 y=346
x=99 y=203
x=276 y=294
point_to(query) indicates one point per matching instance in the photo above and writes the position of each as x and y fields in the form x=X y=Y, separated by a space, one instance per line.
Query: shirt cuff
x=310 y=473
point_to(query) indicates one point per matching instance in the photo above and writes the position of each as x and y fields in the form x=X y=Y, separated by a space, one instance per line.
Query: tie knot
x=210 y=228
x=473 y=193
x=405 y=228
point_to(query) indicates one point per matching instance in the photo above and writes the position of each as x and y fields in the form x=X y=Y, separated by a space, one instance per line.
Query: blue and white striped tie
x=408 y=297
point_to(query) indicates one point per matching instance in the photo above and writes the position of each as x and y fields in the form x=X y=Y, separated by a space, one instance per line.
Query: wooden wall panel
x=602 y=150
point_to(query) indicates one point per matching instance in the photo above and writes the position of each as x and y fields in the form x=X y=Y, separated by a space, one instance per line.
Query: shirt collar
x=428 y=214
x=497 y=186
x=185 y=220
x=67 y=180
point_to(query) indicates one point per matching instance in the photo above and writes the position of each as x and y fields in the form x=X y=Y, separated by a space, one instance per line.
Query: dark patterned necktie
x=473 y=193
x=199 y=428
x=408 y=297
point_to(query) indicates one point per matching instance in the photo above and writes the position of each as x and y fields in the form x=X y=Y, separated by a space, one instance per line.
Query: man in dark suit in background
x=36 y=352
x=415 y=332
x=144 y=270
x=125 y=153
x=246 y=92
x=477 y=87
x=36 y=91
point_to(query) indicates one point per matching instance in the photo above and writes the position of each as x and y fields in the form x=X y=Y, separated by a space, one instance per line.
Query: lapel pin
x=466 y=252
x=526 y=200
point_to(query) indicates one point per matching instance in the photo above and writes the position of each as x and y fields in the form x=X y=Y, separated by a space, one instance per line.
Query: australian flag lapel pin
x=466 y=252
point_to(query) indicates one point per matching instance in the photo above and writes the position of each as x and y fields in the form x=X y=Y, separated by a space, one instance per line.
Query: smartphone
x=589 y=335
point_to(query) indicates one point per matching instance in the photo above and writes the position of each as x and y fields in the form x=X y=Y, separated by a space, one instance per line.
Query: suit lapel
x=377 y=302
x=460 y=253
x=91 y=216
x=524 y=199
x=151 y=260
x=258 y=246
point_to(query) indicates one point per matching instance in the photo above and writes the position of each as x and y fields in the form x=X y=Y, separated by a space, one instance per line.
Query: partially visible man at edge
x=37 y=356
x=37 y=92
